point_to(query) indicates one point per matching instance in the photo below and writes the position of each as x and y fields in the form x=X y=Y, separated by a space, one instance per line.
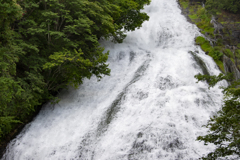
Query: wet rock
x=230 y=67
x=142 y=95
x=174 y=144
x=200 y=63
x=132 y=56
x=166 y=83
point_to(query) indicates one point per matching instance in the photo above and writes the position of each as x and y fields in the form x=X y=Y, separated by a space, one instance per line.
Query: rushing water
x=150 y=108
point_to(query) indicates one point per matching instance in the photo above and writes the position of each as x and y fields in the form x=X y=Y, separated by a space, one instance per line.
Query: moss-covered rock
x=200 y=63
x=205 y=44
x=228 y=53
x=219 y=32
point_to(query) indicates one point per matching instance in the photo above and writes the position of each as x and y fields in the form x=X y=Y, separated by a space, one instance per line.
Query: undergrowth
x=199 y=15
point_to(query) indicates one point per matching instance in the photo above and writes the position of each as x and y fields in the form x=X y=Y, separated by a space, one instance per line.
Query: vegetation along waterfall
x=150 y=108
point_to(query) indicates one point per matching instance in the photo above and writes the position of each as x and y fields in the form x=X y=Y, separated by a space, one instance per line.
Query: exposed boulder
x=225 y=37
x=230 y=67
x=217 y=26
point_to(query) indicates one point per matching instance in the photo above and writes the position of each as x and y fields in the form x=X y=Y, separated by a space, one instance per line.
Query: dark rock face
x=217 y=26
x=230 y=34
x=200 y=63
x=230 y=67
x=227 y=31
x=236 y=36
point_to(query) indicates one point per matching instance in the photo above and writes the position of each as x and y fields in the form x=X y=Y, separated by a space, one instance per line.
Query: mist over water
x=150 y=108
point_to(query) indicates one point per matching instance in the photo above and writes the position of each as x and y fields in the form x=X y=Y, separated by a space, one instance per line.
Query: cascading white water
x=150 y=108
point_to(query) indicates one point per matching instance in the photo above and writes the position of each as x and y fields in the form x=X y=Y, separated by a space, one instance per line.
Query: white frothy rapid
x=150 y=108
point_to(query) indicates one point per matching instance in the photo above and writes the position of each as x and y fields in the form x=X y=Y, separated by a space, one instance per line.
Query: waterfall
x=150 y=108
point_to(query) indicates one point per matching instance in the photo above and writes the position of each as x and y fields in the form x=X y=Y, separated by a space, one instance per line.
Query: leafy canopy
x=224 y=128
x=47 y=45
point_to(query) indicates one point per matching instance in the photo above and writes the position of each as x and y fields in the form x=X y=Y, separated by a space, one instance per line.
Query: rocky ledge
x=221 y=30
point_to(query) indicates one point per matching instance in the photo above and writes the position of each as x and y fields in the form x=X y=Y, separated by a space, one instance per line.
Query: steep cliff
x=222 y=31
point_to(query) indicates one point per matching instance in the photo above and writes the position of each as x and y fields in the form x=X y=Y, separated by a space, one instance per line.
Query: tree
x=47 y=45
x=224 y=128
x=53 y=28
x=9 y=87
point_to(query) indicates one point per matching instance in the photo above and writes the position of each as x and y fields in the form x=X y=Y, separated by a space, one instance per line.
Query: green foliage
x=219 y=42
x=9 y=86
x=70 y=68
x=213 y=80
x=237 y=53
x=9 y=12
x=220 y=65
x=199 y=15
x=6 y=124
x=205 y=44
x=229 y=53
x=47 y=45
x=214 y=6
x=215 y=52
x=184 y=4
x=202 y=18
x=200 y=40
x=194 y=16
x=224 y=127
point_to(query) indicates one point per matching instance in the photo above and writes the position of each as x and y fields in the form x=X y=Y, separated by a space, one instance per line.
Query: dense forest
x=47 y=45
